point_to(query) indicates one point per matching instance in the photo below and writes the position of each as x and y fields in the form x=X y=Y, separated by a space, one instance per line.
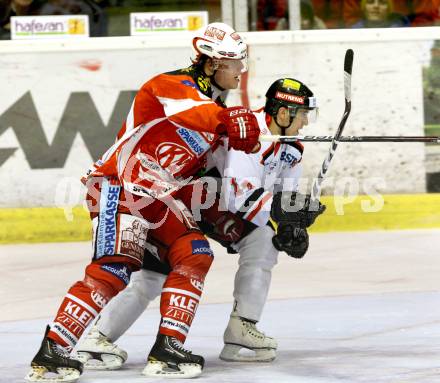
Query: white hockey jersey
x=249 y=180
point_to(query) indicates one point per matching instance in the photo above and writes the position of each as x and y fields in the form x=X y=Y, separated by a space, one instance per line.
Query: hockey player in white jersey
x=252 y=187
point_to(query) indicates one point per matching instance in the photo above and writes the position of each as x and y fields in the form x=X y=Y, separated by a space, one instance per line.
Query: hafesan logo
x=147 y=22
x=49 y=27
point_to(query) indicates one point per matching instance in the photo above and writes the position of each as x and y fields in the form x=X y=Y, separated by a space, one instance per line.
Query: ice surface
x=360 y=308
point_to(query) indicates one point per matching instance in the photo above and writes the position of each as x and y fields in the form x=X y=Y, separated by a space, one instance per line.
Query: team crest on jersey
x=173 y=157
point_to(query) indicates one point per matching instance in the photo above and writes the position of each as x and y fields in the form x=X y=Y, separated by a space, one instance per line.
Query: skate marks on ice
x=395 y=339
x=35 y=277
x=380 y=338
x=359 y=308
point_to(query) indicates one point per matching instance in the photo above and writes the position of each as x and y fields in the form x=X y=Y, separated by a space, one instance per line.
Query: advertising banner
x=147 y=22
x=49 y=27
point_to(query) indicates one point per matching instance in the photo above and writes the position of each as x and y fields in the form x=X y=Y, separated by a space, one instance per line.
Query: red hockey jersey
x=168 y=131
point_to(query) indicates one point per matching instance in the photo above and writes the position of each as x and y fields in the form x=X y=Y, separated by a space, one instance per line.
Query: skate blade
x=42 y=374
x=235 y=353
x=156 y=369
x=107 y=361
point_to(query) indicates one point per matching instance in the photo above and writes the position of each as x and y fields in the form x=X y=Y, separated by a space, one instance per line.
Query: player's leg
x=252 y=282
x=190 y=258
x=108 y=274
x=98 y=350
x=82 y=303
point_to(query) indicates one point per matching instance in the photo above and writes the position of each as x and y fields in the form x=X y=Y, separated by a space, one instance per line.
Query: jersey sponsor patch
x=289 y=158
x=201 y=246
x=119 y=270
x=106 y=231
x=194 y=140
x=133 y=236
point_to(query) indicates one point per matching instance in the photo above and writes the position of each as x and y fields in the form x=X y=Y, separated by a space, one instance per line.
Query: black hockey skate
x=168 y=358
x=53 y=364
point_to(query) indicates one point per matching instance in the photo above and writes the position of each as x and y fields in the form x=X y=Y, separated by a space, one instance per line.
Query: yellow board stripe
x=399 y=212
x=409 y=211
x=44 y=225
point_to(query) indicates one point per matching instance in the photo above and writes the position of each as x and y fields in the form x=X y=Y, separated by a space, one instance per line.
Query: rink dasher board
x=51 y=87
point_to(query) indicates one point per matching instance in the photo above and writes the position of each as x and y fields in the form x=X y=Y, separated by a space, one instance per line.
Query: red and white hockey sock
x=178 y=307
x=190 y=258
x=82 y=304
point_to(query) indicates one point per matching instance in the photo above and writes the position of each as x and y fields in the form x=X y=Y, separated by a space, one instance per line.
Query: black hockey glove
x=293 y=240
x=296 y=209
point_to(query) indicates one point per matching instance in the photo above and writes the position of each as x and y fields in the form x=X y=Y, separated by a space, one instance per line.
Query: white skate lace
x=63 y=352
x=252 y=329
x=179 y=345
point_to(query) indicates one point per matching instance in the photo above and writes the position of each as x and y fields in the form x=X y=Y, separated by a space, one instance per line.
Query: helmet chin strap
x=283 y=128
x=213 y=82
x=218 y=93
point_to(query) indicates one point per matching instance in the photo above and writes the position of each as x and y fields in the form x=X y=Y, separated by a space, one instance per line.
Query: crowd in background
x=271 y=14
x=320 y=14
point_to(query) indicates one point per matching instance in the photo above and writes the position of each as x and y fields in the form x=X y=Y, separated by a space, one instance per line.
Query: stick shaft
x=287 y=139
x=316 y=187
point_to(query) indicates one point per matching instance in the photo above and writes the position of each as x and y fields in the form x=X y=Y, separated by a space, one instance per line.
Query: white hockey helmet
x=225 y=46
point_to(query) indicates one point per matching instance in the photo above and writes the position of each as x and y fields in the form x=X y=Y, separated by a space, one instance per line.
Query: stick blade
x=348 y=62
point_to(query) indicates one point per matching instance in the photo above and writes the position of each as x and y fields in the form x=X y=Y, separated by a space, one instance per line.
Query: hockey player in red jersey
x=138 y=196
x=249 y=184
